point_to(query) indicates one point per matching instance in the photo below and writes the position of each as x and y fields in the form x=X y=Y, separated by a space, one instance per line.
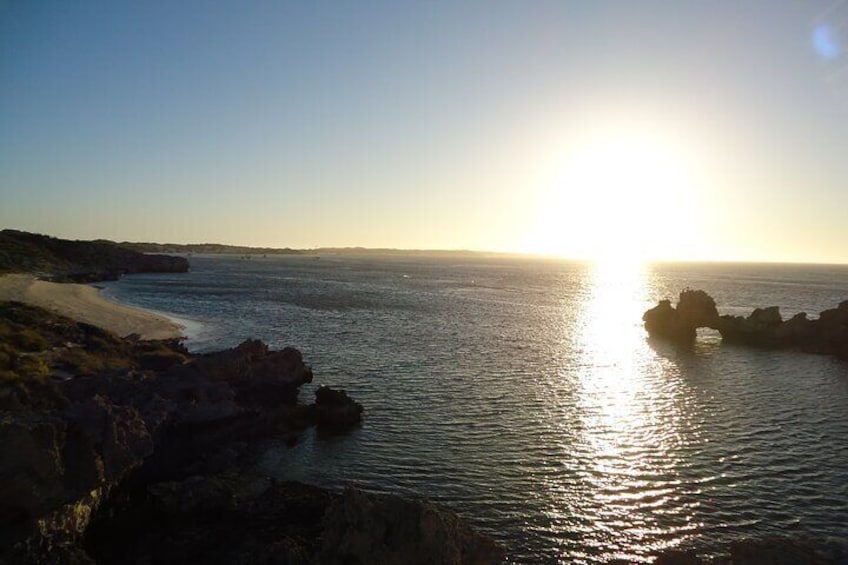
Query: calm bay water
x=525 y=395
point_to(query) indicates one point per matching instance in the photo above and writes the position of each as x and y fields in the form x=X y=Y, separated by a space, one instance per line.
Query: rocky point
x=125 y=451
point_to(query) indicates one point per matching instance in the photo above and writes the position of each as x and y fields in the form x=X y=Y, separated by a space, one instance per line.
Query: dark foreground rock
x=226 y=518
x=243 y=518
x=123 y=451
x=764 y=327
x=390 y=530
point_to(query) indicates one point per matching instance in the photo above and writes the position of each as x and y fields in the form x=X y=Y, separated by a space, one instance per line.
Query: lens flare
x=827 y=42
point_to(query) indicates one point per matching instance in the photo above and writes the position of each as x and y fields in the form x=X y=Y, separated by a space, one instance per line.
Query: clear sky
x=691 y=129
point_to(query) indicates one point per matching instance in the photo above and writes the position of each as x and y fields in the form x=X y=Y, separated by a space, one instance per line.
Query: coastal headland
x=67 y=260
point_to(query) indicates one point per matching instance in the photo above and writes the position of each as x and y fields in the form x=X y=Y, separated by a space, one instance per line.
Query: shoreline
x=86 y=303
x=190 y=329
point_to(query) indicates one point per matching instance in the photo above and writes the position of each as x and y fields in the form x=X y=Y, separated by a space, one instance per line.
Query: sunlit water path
x=525 y=395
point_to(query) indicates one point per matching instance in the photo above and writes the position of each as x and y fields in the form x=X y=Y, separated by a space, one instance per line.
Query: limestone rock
x=335 y=410
x=389 y=530
x=129 y=461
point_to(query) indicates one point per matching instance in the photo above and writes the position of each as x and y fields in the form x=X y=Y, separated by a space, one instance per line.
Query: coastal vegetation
x=77 y=261
x=39 y=348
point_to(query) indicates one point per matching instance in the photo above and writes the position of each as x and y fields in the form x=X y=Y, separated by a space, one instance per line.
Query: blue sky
x=430 y=124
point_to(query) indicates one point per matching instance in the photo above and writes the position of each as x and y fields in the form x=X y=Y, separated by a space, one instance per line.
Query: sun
x=619 y=197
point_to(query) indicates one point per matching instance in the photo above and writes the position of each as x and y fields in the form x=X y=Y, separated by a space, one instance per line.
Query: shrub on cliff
x=19 y=365
x=35 y=344
x=25 y=380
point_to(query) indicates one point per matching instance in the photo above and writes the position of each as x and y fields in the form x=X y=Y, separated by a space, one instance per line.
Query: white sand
x=84 y=303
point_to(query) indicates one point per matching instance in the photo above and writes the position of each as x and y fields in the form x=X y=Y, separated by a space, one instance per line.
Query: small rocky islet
x=764 y=327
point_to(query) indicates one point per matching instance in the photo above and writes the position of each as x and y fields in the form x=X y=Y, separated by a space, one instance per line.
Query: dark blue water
x=524 y=394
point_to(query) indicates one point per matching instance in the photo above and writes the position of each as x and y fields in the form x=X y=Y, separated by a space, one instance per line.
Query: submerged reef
x=764 y=327
x=126 y=451
x=771 y=550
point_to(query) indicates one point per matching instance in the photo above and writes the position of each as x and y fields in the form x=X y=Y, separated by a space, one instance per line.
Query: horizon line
x=495 y=252
x=466 y=251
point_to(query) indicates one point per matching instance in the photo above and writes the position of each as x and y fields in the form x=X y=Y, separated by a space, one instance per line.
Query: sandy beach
x=84 y=303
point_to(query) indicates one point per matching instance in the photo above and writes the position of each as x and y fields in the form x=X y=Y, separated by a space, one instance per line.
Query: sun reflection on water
x=632 y=423
x=612 y=346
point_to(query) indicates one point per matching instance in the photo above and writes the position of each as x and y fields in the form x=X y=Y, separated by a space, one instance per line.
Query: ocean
x=524 y=393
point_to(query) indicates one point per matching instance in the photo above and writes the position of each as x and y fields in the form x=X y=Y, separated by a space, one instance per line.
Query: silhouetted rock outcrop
x=335 y=410
x=759 y=328
x=695 y=309
x=122 y=463
x=764 y=327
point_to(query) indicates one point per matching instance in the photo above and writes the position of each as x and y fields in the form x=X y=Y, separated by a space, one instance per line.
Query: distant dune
x=224 y=249
x=207 y=248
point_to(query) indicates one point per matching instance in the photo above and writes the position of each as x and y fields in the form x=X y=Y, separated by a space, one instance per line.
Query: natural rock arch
x=764 y=327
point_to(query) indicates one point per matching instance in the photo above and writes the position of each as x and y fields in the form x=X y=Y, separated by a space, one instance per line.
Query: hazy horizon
x=602 y=131
x=352 y=249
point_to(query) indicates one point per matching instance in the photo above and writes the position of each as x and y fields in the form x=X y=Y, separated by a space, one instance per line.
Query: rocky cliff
x=124 y=451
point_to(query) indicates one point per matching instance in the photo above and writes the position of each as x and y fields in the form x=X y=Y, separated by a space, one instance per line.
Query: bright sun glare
x=621 y=197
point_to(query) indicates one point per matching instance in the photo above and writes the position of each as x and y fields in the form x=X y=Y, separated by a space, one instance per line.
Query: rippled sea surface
x=524 y=394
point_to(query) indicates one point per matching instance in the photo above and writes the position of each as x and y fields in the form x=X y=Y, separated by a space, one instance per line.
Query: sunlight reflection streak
x=631 y=424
